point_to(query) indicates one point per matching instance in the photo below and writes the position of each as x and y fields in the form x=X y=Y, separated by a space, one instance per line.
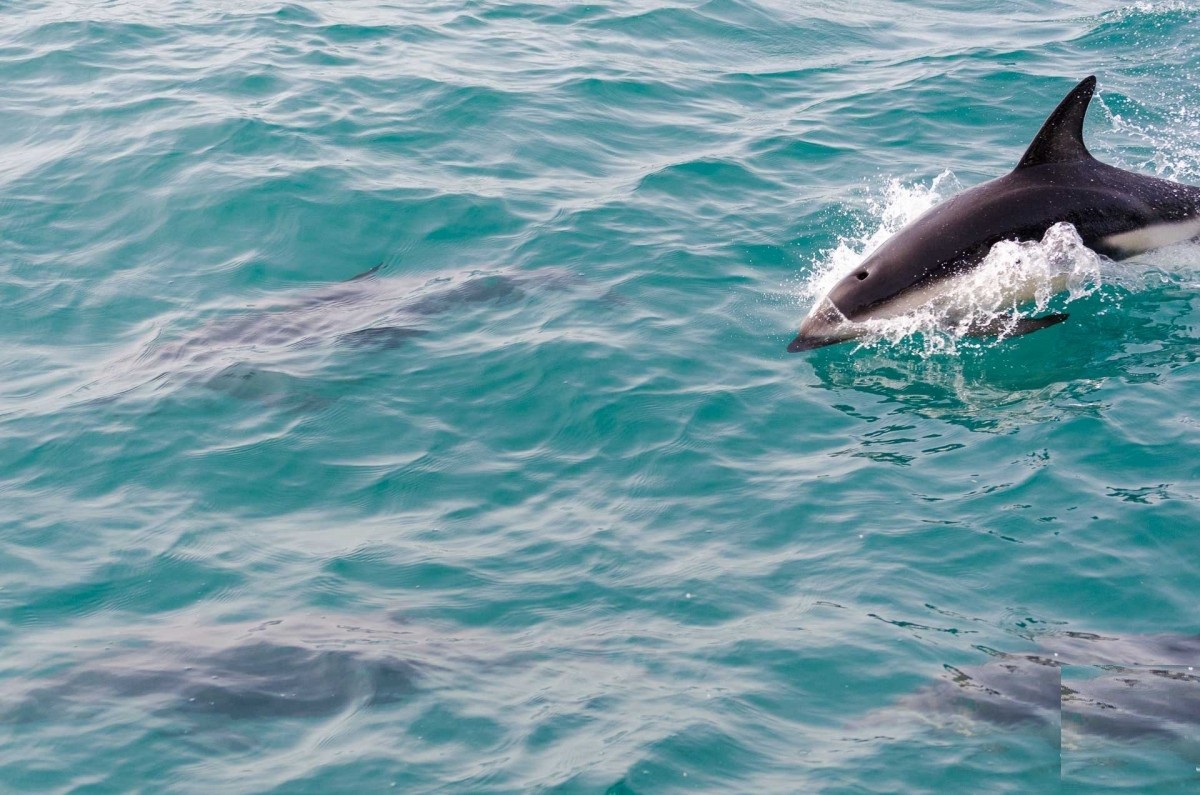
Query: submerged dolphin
x=1117 y=214
x=293 y=667
x=249 y=354
x=1090 y=685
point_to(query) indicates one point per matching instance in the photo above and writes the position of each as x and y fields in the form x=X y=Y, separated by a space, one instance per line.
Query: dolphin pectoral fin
x=808 y=343
x=366 y=274
x=1009 y=326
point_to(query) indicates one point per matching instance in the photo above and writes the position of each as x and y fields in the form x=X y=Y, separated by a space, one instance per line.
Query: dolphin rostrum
x=1116 y=213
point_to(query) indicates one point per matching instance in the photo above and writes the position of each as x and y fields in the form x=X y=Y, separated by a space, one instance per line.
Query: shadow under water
x=300 y=667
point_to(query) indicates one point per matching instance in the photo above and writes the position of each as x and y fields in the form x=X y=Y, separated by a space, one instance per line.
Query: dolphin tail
x=1010 y=326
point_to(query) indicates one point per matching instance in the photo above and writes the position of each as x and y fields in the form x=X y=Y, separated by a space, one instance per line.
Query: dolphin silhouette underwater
x=1131 y=688
x=297 y=666
x=245 y=353
x=1116 y=213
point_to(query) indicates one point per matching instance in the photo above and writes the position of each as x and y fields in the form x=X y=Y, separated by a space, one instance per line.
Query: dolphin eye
x=861 y=275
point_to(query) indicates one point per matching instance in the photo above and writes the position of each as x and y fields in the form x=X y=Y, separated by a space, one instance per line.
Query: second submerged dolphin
x=1116 y=213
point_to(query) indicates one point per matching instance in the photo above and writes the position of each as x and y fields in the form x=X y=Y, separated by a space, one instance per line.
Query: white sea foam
x=899 y=205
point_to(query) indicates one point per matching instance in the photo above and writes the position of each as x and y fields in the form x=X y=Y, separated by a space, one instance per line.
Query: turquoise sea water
x=542 y=504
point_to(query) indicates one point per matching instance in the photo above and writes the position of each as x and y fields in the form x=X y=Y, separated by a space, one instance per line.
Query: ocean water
x=395 y=398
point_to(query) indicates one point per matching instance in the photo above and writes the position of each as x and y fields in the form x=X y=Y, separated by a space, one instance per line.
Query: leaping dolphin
x=1116 y=213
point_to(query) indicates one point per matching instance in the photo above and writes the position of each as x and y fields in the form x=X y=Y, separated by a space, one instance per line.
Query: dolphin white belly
x=1148 y=238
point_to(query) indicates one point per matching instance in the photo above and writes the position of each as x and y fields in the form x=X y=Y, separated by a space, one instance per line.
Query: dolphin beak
x=825 y=325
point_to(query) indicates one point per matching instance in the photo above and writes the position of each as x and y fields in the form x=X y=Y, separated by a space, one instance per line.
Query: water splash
x=1016 y=278
x=899 y=205
x=1171 y=140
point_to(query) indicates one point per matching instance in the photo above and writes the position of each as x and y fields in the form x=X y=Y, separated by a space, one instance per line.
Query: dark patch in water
x=243 y=354
x=476 y=290
x=292 y=669
x=1120 y=688
x=382 y=337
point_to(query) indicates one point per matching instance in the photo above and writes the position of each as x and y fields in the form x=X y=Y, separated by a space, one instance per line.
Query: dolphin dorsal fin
x=1061 y=138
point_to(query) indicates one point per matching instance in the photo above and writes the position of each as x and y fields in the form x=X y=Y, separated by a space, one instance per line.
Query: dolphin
x=293 y=666
x=1083 y=684
x=248 y=353
x=1116 y=213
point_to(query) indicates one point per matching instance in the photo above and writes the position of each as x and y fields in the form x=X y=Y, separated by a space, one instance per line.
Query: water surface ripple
x=395 y=398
